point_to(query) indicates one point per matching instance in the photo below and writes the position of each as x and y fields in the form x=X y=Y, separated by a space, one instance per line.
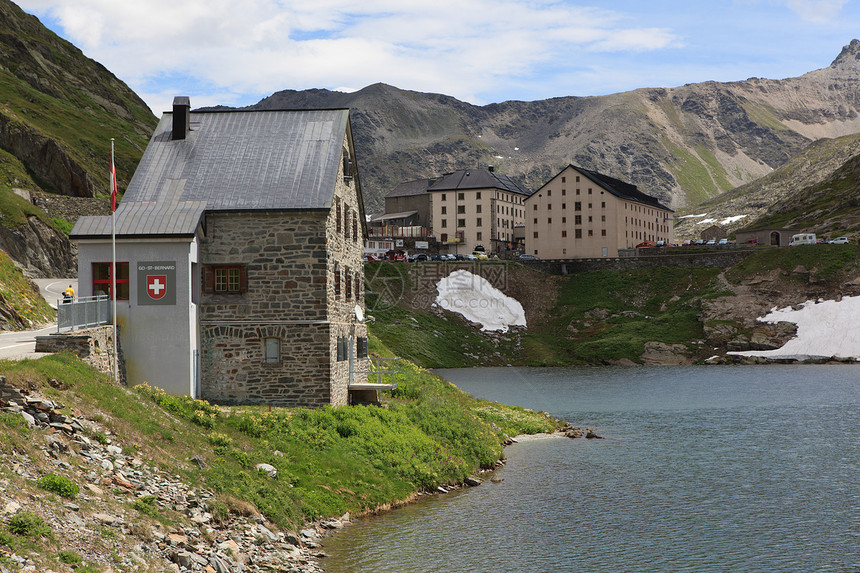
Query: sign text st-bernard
x=156 y=282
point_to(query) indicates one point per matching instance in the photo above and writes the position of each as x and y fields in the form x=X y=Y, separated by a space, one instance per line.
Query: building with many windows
x=583 y=214
x=472 y=207
x=239 y=242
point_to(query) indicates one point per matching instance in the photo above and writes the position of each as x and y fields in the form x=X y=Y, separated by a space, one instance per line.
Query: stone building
x=239 y=258
x=584 y=214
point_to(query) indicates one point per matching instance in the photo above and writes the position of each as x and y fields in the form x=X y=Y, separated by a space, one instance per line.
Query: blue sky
x=236 y=52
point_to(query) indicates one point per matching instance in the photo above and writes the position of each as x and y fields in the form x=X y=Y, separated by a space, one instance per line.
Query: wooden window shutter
x=208 y=279
x=243 y=279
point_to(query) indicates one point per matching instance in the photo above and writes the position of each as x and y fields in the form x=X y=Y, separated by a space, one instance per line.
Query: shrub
x=29 y=524
x=70 y=557
x=147 y=505
x=62 y=486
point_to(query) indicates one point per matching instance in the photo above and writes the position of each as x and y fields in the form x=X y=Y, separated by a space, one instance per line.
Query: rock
x=590 y=435
x=662 y=353
x=269 y=469
x=472 y=481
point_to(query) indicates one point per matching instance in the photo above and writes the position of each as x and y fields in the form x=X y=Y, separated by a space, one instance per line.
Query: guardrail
x=380 y=371
x=83 y=312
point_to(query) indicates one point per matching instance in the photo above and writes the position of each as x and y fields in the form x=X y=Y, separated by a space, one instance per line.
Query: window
x=535 y=206
x=549 y=206
x=577 y=233
x=336 y=279
x=461 y=196
x=348 y=281
x=577 y=178
x=345 y=223
x=536 y=234
x=589 y=190
x=342 y=349
x=577 y=220
x=549 y=220
x=564 y=205
x=102 y=280
x=444 y=223
x=564 y=219
x=535 y=220
x=358 y=289
x=602 y=232
x=273 y=350
x=355 y=227
x=477 y=208
x=478 y=195
x=443 y=196
x=549 y=192
x=577 y=206
x=603 y=218
x=603 y=204
x=480 y=236
x=347 y=166
x=461 y=209
x=478 y=222
x=361 y=347
x=224 y=279
x=563 y=234
x=461 y=222
x=337 y=213
x=590 y=233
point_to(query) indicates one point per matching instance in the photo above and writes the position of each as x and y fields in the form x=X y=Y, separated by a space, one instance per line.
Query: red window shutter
x=208 y=279
x=243 y=279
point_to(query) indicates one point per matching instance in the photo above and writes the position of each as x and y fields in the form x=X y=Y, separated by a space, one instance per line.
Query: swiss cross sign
x=156 y=282
x=156 y=286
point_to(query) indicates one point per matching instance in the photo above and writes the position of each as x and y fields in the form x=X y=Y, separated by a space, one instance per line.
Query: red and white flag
x=112 y=180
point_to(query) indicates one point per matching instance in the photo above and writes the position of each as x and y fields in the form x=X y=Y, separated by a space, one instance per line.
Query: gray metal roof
x=230 y=160
x=409 y=188
x=476 y=179
x=622 y=189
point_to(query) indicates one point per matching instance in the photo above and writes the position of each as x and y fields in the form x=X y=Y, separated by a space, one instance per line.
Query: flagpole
x=113 y=260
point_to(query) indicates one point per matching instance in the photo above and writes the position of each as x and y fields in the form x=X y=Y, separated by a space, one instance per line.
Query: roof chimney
x=181 y=116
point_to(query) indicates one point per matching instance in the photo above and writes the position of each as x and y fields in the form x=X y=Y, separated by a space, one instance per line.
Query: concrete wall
x=158 y=341
x=477 y=216
x=724 y=258
x=573 y=217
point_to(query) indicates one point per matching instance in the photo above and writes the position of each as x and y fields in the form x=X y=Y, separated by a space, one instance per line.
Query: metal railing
x=382 y=371
x=83 y=312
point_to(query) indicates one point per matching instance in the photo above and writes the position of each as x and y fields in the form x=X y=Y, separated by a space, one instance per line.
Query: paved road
x=22 y=344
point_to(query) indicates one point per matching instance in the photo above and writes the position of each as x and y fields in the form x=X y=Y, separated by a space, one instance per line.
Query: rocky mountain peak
x=849 y=57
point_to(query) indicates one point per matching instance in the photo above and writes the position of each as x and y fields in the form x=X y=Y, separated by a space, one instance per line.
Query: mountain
x=60 y=109
x=58 y=113
x=683 y=145
x=800 y=186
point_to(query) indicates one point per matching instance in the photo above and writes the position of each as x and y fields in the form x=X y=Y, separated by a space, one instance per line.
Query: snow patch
x=827 y=328
x=479 y=301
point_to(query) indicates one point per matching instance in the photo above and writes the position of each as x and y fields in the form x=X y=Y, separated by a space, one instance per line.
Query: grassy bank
x=587 y=318
x=329 y=461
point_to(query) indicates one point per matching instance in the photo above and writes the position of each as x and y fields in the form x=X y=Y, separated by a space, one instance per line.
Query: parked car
x=687 y=243
x=839 y=241
x=724 y=242
x=644 y=245
x=480 y=255
x=528 y=257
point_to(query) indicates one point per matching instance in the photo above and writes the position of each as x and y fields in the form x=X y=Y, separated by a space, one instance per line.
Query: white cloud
x=236 y=48
x=817 y=11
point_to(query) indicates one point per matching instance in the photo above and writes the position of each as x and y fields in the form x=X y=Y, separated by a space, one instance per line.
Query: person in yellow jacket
x=69 y=294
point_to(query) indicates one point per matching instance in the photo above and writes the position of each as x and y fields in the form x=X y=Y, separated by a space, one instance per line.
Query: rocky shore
x=131 y=515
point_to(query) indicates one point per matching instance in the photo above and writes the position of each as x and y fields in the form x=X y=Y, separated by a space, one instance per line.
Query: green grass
x=825 y=262
x=60 y=485
x=22 y=296
x=329 y=460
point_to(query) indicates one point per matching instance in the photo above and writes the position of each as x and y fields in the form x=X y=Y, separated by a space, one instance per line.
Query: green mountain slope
x=59 y=110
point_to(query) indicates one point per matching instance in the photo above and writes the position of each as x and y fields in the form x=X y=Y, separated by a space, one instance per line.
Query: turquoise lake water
x=702 y=469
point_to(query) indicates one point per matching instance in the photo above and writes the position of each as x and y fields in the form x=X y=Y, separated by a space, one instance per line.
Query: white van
x=802 y=239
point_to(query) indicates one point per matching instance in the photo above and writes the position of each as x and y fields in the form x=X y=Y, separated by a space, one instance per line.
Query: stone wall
x=92 y=345
x=723 y=258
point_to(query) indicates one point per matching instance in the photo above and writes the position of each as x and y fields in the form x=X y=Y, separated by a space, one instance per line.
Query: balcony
x=373 y=375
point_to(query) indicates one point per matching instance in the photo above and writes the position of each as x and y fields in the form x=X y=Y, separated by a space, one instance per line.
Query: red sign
x=156 y=286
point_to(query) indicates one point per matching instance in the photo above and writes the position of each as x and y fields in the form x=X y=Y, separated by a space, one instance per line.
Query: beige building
x=472 y=207
x=583 y=214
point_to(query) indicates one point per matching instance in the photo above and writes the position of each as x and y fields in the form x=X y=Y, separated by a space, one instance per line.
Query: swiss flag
x=112 y=180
